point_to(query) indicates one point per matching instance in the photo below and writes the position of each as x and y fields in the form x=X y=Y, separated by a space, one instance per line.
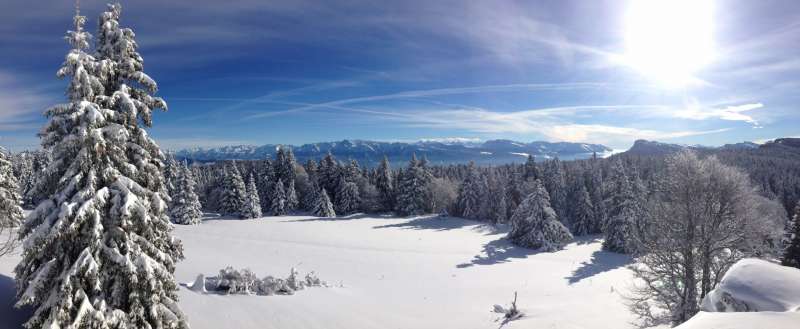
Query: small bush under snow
x=245 y=282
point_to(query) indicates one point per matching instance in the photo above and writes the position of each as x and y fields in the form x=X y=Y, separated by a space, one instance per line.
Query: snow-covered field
x=421 y=272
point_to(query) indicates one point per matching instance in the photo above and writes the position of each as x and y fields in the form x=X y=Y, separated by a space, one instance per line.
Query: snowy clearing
x=423 y=272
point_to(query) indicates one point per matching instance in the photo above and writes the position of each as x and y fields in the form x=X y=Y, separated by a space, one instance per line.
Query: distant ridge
x=436 y=151
x=645 y=147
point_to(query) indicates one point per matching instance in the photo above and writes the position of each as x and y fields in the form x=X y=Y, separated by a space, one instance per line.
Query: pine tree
x=791 y=255
x=471 y=194
x=328 y=175
x=347 y=198
x=98 y=251
x=291 y=197
x=278 y=203
x=10 y=211
x=623 y=213
x=171 y=172
x=583 y=212
x=252 y=206
x=413 y=189
x=185 y=207
x=323 y=206
x=535 y=224
x=234 y=193
x=384 y=184
x=555 y=184
x=497 y=210
x=531 y=171
x=266 y=183
x=311 y=195
x=284 y=166
x=595 y=185
x=514 y=193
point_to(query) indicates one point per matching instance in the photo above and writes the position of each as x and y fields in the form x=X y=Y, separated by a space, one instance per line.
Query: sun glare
x=669 y=40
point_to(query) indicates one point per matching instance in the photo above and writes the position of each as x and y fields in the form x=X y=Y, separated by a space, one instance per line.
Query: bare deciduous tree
x=704 y=217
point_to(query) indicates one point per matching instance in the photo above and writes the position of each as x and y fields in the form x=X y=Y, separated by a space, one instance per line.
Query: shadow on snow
x=601 y=261
x=11 y=317
x=499 y=251
x=438 y=223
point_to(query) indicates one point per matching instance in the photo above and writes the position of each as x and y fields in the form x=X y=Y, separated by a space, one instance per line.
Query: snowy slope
x=394 y=273
x=400 y=273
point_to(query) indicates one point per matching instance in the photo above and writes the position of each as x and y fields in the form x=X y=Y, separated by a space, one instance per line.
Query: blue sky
x=258 y=72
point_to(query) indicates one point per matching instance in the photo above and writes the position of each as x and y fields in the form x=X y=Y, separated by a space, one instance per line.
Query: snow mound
x=752 y=294
x=753 y=285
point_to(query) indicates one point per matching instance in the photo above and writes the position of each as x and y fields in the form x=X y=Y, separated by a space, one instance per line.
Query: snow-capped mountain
x=437 y=151
x=645 y=147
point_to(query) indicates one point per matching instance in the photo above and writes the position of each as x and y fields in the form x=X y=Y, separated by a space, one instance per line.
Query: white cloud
x=19 y=103
x=729 y=113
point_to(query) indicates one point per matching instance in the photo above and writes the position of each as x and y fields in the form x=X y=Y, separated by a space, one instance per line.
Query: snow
x=742 y=320
x=398 y=273
x=757 y=285
x=771 y=292
x=423 y=272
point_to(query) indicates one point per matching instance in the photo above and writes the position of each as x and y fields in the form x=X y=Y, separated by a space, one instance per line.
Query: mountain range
x=370 y=153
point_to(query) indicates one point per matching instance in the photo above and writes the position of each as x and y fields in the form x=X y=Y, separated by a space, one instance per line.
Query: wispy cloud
x=20 y=105
x=552 y=124
x=729 y=113
x=436 y=92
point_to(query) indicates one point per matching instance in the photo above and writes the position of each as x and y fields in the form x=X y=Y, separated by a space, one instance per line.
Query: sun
x=669 y=40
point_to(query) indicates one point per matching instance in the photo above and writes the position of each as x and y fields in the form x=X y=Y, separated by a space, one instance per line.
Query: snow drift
x=752 y=294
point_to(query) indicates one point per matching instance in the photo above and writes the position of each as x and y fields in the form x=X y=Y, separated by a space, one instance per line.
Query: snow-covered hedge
x=245 y=282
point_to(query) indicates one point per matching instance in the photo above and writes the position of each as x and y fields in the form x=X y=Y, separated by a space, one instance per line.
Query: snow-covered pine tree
x=22 y=168
x=514 y=193
x=582 y=212
x=284 y=166
x=595 y=185
x=791 y=254
x=185 y=207
x=30 y=197
x=292 y=202
x=471 y=194
x=412 y=189
x=384 y=184
x=172 y=171
x=323 y=206
x=496 y=207
x=555 y=184
x=535 y=224
x=10 y=211
x=252 y=206
x=310 y=197
x=347 y=198
x=328 y=175
x=531 y=172
x=98 y=251
x=266 y=183
x=278 y=202
x=624 y=212
x=234 y=193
